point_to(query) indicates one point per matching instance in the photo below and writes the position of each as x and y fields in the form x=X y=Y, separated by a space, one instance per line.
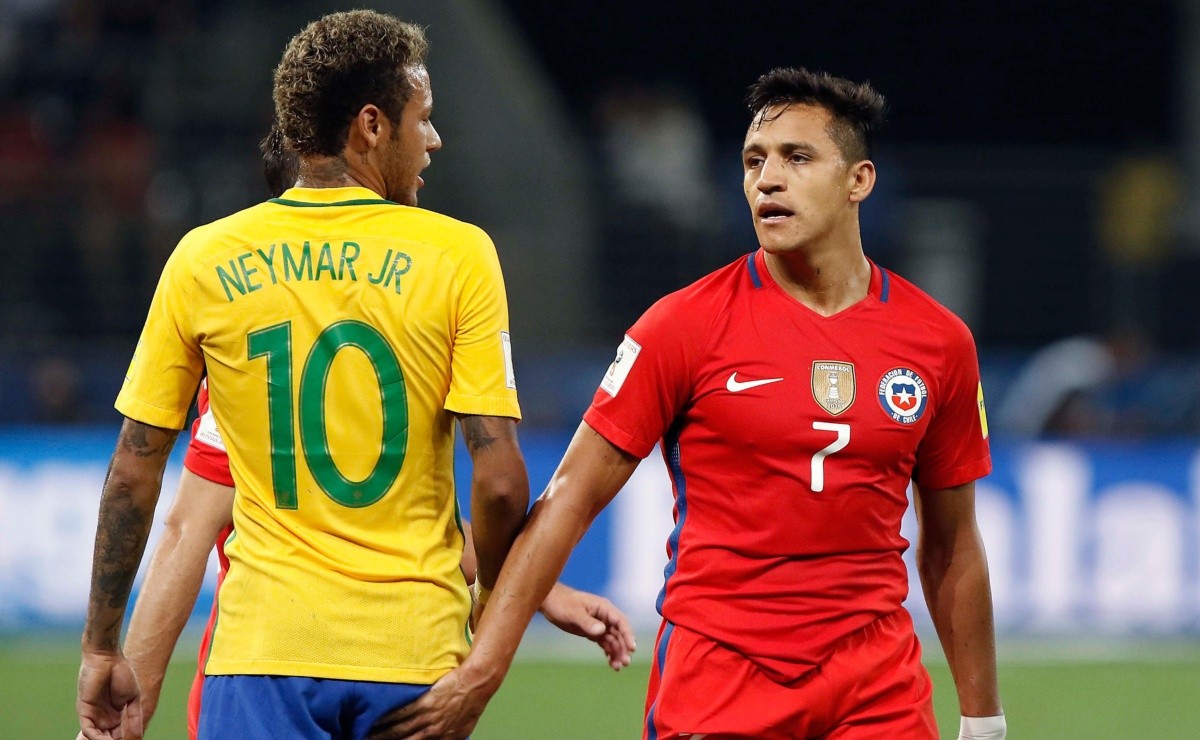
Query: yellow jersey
x=340 y=333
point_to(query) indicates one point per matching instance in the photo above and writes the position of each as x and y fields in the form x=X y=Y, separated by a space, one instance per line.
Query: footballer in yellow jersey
x=342 y=330
x=202 y=512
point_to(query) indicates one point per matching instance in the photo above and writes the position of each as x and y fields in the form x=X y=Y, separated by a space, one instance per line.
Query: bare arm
x=590 y=474
x=574 y=612
x=200 y=511
x=107 y=686
x=499 y=491
x=954 y=576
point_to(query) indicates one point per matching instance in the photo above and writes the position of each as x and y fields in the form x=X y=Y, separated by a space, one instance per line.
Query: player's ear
x=862 y=180
x=367 y=128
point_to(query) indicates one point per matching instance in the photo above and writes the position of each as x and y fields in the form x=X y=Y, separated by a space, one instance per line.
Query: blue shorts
x=269 y=707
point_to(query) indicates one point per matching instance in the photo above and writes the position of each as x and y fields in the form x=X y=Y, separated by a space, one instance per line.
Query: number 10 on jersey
x=275 y=345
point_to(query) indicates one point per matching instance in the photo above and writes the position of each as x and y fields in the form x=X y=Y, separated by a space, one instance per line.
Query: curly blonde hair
x=334 y=67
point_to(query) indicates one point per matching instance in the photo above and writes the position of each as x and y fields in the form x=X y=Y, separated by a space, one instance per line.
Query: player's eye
x=798 y=158
x=753 y=162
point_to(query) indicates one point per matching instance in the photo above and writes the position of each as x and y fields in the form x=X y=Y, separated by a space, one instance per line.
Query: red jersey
x=206 y=457
x=790 y=438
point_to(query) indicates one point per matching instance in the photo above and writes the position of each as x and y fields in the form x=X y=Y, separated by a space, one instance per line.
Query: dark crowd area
x=1037 y=175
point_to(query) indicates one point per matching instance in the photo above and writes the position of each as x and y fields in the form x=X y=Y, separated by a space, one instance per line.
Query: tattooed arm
x=499 y=491
x=107 y=702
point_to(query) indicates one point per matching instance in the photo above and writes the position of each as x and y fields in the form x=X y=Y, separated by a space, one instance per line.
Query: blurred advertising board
x=1082 y=538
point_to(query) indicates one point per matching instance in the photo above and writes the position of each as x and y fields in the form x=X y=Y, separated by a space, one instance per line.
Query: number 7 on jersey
x=818 y=459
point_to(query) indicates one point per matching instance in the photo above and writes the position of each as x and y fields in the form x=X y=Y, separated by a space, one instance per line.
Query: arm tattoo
x=126 y=512
x=120 y=539
x=476 y=434
x=135 y=439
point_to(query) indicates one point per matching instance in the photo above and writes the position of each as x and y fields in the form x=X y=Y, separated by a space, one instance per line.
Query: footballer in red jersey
x=795 y=394
x=790 y=462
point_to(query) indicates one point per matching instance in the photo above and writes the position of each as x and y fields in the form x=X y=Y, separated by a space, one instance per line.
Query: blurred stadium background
x=1039 y=175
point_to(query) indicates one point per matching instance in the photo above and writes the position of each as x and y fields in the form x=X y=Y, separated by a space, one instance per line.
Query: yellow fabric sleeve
x=482 y=381
x=167 y=363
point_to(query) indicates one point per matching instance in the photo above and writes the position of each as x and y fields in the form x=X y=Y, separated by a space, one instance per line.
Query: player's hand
x=594 y=617
x=108 y=700
x=450 y=709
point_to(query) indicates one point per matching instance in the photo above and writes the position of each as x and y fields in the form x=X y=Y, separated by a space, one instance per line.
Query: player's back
x=339 y=331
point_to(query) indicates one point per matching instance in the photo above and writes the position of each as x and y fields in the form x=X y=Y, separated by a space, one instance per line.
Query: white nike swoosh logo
x=734 y=386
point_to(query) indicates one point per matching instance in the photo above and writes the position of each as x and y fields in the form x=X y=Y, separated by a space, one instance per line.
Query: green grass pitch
x=1150 y=692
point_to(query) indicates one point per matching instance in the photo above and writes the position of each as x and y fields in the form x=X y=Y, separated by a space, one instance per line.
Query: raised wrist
x=982 y=728
x=552 y=594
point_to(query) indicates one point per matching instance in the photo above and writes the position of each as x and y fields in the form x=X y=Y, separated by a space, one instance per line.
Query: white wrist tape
x=479 y=594
x=982 y=728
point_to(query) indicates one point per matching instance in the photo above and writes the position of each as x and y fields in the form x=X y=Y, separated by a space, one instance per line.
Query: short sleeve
x=167 y=363
x=206 y=455
x=955 y=448
x=649 y=382
x=482 y=380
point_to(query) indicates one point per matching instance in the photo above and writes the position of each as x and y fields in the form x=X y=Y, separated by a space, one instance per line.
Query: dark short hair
x=857 y=109
x=334 y=67
x=280 y=164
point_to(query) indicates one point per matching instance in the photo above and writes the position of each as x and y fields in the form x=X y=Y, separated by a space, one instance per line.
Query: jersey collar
x=325 y=197
x=760 y=276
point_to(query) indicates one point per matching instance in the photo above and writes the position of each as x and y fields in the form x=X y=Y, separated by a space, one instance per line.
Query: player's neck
x=334 y=172
x=826 y=278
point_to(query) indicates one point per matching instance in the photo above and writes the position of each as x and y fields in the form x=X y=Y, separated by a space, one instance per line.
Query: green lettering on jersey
x=301 y=270
x=397 y=271
x=231 y=279
x=269 y=259
x=314 y=434
x=348 y=261
x=383 y=270
x=274 y=344
x=247 y=272
x=325 y=262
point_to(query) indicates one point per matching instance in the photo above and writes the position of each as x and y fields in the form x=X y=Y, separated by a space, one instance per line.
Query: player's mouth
x=772 y=213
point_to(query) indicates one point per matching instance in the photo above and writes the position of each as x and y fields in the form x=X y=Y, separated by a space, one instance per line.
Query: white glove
x=982 y=728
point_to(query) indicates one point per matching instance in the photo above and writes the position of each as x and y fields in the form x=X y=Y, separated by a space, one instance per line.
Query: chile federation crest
x=903 y=395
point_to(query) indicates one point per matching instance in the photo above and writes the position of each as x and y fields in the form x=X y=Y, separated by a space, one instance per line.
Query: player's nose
x=770 y=176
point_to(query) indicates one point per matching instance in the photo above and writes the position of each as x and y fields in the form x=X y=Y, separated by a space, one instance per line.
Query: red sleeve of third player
x=955 y=448
x=206 y=456
x=650 y=380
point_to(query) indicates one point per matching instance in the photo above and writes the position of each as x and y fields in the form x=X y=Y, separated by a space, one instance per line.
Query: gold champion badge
x=833 y=385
